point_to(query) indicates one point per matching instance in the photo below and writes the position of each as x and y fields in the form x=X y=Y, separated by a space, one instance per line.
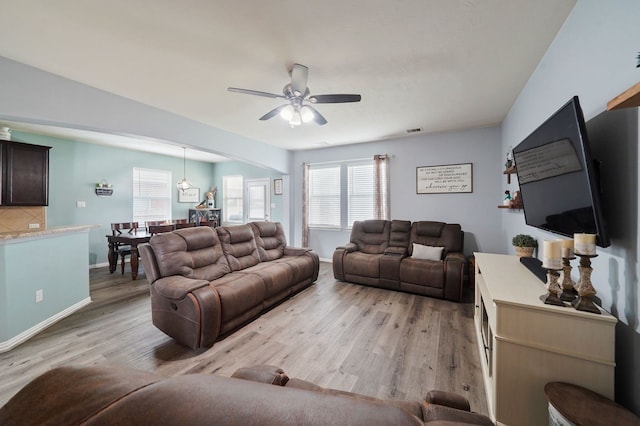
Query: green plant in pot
x=524 y=245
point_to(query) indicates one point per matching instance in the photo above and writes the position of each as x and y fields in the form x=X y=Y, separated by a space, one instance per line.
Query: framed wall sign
x=277 y=186
x=191 y=195
x=445 y=179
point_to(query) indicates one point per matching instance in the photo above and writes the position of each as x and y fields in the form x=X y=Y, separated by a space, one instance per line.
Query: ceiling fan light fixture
x=306 y=114
x=295 y=120
x=287 y=112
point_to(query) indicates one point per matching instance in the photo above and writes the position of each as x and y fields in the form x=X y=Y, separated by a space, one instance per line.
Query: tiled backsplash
x=22 y=218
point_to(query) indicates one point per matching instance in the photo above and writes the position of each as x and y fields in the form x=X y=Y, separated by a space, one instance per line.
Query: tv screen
x=559 y=179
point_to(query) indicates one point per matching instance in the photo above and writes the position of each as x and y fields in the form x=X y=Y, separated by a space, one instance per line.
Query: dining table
x=132 y=239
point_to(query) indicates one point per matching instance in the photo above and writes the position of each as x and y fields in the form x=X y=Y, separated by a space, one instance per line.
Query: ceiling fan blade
x=299 y=76
x=273 y=112
x=317 y=117
x=334 y=99
x=254 y=92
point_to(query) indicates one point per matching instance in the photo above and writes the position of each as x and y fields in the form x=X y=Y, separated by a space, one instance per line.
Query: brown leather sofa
x=207 y=282
x=120 y=396
x=423 y=257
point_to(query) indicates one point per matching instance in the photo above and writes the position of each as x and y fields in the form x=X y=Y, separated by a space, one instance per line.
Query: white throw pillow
x=427 y=252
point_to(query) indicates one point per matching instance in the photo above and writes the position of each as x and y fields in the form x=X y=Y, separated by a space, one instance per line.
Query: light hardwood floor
x=345 y=336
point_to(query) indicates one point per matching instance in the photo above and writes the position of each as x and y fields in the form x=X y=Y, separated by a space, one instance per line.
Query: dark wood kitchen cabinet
x=24 y=180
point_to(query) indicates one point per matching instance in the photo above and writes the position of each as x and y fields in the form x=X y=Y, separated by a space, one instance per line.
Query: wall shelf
x=628 y=99
x=509 y=171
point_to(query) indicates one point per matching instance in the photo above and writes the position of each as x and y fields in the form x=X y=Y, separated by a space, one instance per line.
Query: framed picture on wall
x=191 y=195
x=277 y=186
x=445 y=179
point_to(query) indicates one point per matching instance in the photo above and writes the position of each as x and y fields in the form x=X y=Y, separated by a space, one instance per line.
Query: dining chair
x=155 y=222
x=180 y=221
x=158 y=229
x=123 y=250
x=180 y=225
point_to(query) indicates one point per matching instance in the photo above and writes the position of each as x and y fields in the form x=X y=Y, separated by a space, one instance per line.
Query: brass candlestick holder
x=553 y=288
x=569 y=292
x=586 y=292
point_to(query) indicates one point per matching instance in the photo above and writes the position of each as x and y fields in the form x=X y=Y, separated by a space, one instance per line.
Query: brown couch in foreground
x=207 y=282
x=120 y=396
x=422 y=257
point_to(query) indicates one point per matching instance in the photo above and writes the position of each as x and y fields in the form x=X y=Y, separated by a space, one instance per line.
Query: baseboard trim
x=7 y=345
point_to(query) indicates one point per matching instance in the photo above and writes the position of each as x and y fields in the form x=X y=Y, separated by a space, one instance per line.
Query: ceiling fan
x=297 y=110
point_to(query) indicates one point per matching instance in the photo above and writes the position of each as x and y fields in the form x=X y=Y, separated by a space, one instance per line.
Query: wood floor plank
x=355 y=338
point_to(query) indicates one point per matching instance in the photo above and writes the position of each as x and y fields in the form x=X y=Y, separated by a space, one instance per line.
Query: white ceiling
x=437 y=65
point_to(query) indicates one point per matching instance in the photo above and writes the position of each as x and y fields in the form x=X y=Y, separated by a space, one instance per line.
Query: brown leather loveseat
x=119 y=396
x=423 y=257
x=207 y=282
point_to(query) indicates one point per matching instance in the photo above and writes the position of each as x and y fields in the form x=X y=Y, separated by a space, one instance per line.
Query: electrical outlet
x=80 y=204
x=39 y=295
x=34 y=225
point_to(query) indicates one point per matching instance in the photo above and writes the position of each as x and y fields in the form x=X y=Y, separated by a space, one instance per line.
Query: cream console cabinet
x=525 y=344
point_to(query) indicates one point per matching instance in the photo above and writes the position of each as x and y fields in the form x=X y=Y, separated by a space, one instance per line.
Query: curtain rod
x=341 y=161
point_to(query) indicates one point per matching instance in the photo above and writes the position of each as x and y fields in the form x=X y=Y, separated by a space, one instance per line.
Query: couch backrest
x=400 y=233
x=437 y=234
x=191 y=252
x=270 y=240
x=371 y=236
x=239 y=246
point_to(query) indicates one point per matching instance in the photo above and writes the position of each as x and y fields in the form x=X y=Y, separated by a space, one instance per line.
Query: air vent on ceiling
x=414 y=130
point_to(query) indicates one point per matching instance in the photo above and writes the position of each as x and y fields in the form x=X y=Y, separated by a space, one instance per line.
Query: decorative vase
x=524 y=251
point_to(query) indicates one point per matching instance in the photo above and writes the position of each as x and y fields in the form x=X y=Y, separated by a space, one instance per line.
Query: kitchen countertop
x=36 y=233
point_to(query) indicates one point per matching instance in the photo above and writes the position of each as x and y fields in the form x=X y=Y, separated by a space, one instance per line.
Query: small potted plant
x=524 y=245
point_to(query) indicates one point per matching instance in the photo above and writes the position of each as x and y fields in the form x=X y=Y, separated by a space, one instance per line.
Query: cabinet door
x=25 y=174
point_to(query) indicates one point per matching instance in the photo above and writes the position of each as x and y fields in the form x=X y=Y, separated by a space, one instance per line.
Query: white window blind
x=361 y=192
x=151 y=195
x=324 y=196
x=232 y=199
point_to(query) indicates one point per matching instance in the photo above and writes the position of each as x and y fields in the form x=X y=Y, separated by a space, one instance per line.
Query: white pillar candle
x=585 y=243
x=551 y=254
x=567 y=248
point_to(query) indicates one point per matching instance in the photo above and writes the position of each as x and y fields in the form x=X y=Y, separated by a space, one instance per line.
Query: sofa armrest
x=396 y=251
x=433 y=413
x=448 y=399
x=455 y=256
x=349 y=247
x=263 y=374
x=454 y=264
x=176 y=287
x=295 y=251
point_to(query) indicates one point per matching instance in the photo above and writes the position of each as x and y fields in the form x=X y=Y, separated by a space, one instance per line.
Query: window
x=232 y=199
x=324 y=196
x=151 y=195
x=341 y=193
x=360 y=192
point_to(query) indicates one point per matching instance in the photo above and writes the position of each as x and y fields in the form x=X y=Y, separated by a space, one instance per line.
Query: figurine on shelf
x=509 y=162
x=507 y=198
x=516 y=201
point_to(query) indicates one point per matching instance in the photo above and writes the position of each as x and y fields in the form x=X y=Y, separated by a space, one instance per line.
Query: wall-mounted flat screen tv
x=558 y=179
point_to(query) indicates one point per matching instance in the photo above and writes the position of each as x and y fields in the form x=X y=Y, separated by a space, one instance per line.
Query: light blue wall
x=34 y=96
x=248 y=171
x=475 y=212
x=21 y=275
x=594 y=57
x=75 y=168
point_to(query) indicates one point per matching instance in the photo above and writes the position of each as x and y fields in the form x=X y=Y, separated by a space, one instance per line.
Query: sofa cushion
x=429 y=273
x=426 y=252
x=439 y=234
x=270 y=240
x=239 y=246
x=371 y=236
x=364 y=265
x=191 y=252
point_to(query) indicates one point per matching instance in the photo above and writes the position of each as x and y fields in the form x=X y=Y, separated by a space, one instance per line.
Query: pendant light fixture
x=184 y=184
